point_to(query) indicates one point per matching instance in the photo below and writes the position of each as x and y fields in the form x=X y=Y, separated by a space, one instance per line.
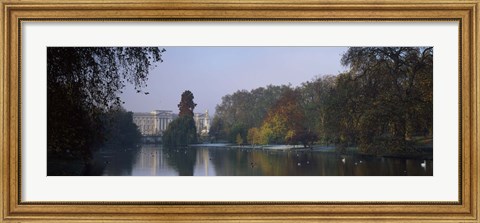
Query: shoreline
x=324 y=149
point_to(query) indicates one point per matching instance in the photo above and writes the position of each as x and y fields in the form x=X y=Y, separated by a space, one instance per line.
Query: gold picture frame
x=14 y=12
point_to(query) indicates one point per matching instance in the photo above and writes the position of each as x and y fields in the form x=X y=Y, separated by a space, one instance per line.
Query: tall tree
x=186 y=104
x=395 y=94
x=82 y=84
x=182 y=131
x=254 y=136
x=314 y=102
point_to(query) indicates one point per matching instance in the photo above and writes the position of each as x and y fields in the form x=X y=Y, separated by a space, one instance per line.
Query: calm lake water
x=154 y=160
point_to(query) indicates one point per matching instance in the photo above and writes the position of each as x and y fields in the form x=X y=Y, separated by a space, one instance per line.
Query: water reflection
x=154 y=160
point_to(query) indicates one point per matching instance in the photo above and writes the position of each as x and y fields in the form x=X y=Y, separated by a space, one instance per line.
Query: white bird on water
x=424 y=164
x=343 y=160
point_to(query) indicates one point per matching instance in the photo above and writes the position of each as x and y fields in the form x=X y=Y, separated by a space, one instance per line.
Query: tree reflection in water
x=182 y=159
x=155 y=160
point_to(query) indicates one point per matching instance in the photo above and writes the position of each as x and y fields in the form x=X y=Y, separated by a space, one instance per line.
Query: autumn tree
x=239 y=139
x=243 y=110
x=285 y=120
x=254 y=136
x=186 y=104
x=379 y=104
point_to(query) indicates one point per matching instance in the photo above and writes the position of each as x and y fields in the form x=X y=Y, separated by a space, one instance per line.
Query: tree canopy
x=285 y=119
x=391 y=95
x=182 y=131
x=83 y=84
x=382 y=100
x=186 y=104
x=95 y=75
x=243 y=110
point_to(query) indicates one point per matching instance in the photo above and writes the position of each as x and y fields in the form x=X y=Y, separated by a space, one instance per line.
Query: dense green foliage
x=391 y=97
x=182 y=131
x=379 y=104
x=82 y=87
x=120 y=131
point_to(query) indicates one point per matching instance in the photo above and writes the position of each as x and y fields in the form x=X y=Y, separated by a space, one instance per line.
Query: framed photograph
x=239 y=111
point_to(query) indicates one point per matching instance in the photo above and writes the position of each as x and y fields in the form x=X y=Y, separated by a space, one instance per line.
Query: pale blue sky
x=212 y=72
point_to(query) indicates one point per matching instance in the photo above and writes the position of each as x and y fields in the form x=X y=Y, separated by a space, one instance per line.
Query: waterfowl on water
x=424 y=164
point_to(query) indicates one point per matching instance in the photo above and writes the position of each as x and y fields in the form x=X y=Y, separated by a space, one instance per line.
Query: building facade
x=153 y=123
x=156 y=122
x=202 y=122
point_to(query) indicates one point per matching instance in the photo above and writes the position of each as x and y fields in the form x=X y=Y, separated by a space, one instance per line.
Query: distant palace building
x=153 y=123
x=202 y=122
x=156 y=122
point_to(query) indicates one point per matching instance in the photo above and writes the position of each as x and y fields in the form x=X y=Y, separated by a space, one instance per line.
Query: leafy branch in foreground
x=82 y=84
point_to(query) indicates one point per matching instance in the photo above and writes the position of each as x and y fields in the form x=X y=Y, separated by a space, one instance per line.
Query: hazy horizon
x=213 y=72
